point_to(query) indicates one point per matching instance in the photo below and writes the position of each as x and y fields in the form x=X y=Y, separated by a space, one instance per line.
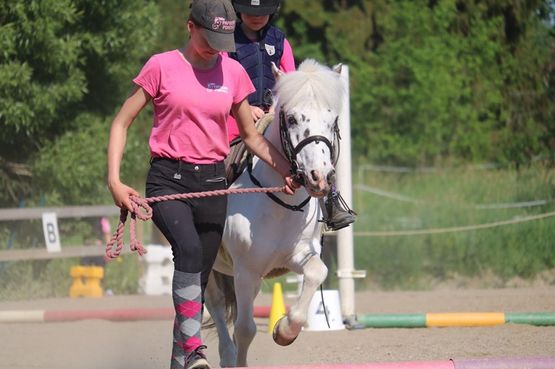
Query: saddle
x=237 y=160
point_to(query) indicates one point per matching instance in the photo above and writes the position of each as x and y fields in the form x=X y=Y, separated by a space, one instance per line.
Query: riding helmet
x=256 y=7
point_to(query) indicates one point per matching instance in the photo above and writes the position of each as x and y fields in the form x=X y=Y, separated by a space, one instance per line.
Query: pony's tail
x=226 y=289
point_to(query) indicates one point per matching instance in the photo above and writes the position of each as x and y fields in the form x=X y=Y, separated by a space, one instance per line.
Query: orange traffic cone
x=278 y=307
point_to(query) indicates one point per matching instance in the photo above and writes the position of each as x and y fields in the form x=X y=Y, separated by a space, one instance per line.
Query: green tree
x=173 y=31
x=437 y=80
x=65 y=66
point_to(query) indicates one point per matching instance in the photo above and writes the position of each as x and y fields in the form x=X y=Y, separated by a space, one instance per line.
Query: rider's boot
x=337 y=214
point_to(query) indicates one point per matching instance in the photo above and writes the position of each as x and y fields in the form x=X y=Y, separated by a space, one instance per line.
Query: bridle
x=291 y=153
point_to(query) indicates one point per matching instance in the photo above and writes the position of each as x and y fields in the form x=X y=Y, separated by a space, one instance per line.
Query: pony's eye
x=291 y=120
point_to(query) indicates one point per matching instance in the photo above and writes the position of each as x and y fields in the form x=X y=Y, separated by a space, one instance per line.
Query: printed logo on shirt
x=255 y=2
x=270 y=49
x=214 y=87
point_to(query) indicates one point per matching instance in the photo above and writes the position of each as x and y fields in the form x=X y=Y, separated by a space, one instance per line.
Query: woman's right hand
x=290 y=185
x=121 y=193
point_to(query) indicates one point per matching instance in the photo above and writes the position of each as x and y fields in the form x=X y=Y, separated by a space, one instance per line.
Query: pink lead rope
x=146 y=213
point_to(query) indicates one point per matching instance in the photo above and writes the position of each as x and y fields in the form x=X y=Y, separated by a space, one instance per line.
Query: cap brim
x=259 y=10
x=220 y=41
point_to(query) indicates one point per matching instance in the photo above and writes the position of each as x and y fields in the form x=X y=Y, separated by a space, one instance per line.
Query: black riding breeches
x=192 y=226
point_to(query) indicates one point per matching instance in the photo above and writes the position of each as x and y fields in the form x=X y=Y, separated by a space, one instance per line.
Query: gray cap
x=217 y=18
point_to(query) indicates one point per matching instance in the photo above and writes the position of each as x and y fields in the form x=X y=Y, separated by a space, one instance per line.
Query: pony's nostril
x=315 y=175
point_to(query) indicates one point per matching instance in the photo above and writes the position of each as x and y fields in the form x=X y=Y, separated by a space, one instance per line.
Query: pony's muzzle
x=317 y=184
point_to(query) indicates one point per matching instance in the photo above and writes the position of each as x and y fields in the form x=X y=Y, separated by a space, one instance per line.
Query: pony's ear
x=275 y=70
x=337 y=68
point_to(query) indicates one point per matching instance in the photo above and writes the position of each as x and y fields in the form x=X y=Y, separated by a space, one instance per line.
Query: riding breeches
x=192 y=226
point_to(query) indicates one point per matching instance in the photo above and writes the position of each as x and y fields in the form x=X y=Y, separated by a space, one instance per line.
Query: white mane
x=312 y=83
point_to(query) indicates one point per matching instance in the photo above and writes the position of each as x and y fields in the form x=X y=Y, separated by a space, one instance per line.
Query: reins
x=276 y=199
x=145 y=214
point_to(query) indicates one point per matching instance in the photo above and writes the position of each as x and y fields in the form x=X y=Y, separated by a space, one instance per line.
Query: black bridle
x=291 y=153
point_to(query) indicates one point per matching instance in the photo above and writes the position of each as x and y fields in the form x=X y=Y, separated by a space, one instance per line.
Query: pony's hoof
x=278 y=338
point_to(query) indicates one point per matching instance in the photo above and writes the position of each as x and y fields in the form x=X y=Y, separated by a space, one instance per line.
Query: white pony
x=264 y=234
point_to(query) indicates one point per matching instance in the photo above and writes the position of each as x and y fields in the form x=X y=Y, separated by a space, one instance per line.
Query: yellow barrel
x=86 y=281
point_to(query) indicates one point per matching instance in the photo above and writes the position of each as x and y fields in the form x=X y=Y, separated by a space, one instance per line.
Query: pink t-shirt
x=191 y=106
x=286 y=64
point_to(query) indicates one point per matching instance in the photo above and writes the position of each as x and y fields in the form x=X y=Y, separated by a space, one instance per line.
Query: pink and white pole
x=445 y=364
x=490 y=363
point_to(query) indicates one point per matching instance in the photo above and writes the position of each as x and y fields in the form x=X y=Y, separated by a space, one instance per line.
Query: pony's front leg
x=215 y=303
x=247 y=286
x=288 y=328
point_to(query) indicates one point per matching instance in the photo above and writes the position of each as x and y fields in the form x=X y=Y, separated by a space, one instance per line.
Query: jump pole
x=472 y=319
x=444 y=364
x=45 y=316
x=489 y=363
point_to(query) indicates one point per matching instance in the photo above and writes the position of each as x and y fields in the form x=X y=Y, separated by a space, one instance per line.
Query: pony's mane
x=312 y=83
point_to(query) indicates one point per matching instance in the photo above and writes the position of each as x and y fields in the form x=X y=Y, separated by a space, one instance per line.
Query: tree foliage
x=65 y=66
x=438 y=80
x=431 y=81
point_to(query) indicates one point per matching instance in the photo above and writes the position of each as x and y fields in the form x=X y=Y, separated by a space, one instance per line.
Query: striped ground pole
x=474 y=319
x=35 y=316
x=490 y=363
x=506 y=363
x=367 y=320
x=444 y=364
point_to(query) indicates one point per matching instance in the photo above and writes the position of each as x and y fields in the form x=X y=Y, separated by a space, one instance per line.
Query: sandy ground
x=146 y=344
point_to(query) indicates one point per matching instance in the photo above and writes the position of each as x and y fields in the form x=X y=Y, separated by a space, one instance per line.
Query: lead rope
x=146 y=213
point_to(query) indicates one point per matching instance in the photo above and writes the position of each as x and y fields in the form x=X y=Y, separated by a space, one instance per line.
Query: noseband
x=291 y=151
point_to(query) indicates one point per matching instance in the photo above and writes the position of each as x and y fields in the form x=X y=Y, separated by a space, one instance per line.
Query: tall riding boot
x=337 y=214
x=187 y=344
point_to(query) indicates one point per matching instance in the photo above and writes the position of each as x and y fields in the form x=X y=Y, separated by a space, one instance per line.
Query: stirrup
x=338 y=214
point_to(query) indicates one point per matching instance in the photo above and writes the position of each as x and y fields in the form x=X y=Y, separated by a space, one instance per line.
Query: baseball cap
x=256 y=7
x=217 y=18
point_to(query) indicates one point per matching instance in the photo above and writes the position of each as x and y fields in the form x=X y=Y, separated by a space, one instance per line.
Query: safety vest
x=256 y=58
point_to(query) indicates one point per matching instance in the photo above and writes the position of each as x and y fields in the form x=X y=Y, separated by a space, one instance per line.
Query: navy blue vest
x=256 y=58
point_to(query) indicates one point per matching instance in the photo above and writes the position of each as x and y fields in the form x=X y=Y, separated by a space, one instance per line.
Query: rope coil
x=143 y=211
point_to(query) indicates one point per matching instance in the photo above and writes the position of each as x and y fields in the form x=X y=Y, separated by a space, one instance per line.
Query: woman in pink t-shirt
x=193 y=91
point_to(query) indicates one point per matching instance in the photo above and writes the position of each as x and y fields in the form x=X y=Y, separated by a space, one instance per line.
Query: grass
x=443 y=198
x=451 y=198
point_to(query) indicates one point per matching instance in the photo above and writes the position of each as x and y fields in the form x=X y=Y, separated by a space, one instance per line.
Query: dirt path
x=146 y=344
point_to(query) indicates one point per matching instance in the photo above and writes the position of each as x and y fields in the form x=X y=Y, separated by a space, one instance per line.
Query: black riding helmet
x=256 y=7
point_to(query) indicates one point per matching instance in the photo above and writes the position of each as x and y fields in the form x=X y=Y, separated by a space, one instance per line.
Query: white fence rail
x=19 y=214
